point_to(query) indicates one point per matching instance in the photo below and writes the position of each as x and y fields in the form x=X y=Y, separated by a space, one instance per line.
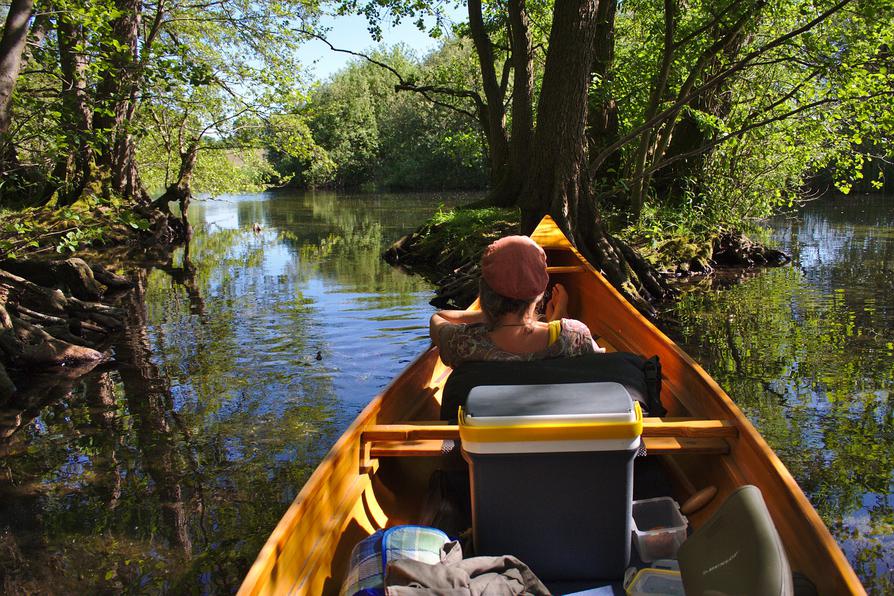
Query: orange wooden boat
x=376 y=474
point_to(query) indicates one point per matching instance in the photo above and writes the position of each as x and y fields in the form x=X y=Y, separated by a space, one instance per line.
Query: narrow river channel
x=244 y=359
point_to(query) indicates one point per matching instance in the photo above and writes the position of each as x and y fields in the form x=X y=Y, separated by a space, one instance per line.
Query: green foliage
x=467 y=231
x=219 y=71
x=367 y=134
x=816 y=107
x=218 y=170
x=90 y=221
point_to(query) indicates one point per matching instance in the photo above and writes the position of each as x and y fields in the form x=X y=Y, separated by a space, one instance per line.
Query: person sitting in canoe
x=513 y=282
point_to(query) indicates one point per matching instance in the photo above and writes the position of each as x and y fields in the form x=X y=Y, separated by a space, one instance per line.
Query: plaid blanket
x=370 y=557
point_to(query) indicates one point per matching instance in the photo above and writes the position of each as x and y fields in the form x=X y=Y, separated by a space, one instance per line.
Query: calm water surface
x=245 y=357
x=241 y=362
x=807 y=352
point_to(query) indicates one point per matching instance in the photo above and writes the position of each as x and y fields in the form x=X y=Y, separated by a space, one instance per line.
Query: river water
x=245 y=356
x=807 y=352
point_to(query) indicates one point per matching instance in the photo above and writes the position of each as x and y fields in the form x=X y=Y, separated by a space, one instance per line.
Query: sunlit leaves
x=366 y=133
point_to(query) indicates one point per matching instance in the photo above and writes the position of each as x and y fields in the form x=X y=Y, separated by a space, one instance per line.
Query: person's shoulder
x=459 y=342
x=573 y=326
x=461 y=329
x=452 y=334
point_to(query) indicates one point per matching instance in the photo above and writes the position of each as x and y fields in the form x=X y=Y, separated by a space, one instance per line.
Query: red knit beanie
x=515 y=267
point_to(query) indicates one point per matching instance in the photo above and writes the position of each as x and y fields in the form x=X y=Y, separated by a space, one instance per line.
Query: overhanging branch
x=759 y=124
x=404 y=85
x=715 y=80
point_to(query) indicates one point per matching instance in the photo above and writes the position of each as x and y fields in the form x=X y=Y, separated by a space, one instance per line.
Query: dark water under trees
x=241 y=365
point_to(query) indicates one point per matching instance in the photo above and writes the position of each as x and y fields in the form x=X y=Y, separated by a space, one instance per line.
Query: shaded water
x=807 y=352
x=244 y=359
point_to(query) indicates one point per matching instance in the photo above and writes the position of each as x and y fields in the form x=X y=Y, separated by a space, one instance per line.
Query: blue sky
x=349 y=32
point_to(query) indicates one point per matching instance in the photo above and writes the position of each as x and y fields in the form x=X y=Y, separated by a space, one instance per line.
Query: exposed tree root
x=735 y=249
x=50 y=315
x=73 y=275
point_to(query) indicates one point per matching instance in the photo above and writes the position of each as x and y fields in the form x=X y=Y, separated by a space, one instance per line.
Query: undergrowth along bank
x=446 y=249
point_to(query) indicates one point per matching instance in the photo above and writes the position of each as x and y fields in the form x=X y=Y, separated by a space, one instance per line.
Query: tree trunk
x=603 y=124
x=639 y=182
x=181 y=192
x=506 y=190
x=558 y=183
x=12 y=45
x=76 y=113
x=494 y=121
x=116 y=94
x=683 y=177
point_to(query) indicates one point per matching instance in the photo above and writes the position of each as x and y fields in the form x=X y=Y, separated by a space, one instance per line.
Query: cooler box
x=551 y=470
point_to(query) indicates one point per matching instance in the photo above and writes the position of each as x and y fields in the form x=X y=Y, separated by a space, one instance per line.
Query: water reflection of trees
x=167 y=471
x=341 y=237
x=811 y=361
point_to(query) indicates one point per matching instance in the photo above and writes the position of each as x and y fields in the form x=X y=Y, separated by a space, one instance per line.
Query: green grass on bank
x=45 y=231
x=669 y=239
x=467 y=231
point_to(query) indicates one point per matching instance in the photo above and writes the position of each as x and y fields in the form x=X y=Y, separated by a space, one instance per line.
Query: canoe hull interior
x=357 y=489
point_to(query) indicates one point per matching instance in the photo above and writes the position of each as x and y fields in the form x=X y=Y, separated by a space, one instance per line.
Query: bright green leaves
x=365 y=134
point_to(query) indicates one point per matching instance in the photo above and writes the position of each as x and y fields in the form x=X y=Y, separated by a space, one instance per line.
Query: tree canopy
x=716 y=110
x=101 y=86
x=655 y=113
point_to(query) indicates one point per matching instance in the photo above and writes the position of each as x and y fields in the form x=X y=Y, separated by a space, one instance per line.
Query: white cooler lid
x=550 y=418
x=511 y=405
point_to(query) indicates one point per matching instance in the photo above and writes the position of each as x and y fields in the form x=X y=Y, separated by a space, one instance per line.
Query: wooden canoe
x=377 y=472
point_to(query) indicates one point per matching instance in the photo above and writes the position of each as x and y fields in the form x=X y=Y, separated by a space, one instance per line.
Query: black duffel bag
x=641 y=376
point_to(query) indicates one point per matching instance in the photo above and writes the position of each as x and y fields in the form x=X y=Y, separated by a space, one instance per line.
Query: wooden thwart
x=427 y=448
x=685 y=446
x=654 y=446
x=660 y=436
x=693 y=428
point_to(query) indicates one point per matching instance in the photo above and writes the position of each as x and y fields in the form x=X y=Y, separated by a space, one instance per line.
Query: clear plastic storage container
x=650 y=582
x=658 y=528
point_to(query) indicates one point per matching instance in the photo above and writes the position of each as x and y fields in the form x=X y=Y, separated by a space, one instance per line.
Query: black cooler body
x=551 y=470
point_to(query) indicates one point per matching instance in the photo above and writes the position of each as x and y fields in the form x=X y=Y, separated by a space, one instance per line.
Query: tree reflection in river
x=808 y=353
x=237 y=369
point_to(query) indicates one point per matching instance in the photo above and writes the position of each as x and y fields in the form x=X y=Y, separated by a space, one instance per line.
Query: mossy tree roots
x=51 y=315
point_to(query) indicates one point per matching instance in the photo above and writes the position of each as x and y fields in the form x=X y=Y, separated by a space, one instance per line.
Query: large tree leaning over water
x=576 y=140
x=584 y=140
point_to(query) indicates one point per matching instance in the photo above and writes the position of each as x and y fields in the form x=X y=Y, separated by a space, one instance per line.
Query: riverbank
x=447 y=248
x=56 y=309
